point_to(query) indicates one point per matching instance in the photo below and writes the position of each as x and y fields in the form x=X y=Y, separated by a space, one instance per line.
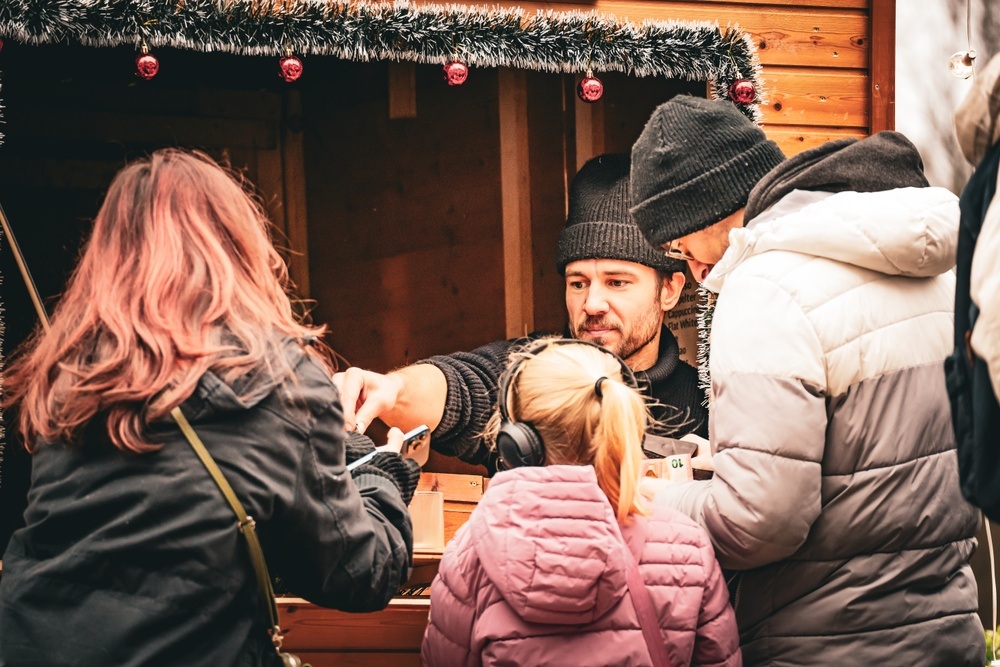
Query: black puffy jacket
x=136 y=559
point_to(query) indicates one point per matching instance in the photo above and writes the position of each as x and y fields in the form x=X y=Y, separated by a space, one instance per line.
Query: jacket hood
x=884 y=161
x=977 y=118
x=869 y=217
x=548 y=540
x=911 y=232
x=215 y=395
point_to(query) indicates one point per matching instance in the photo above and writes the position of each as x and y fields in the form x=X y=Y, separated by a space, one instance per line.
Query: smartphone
x=413 y=442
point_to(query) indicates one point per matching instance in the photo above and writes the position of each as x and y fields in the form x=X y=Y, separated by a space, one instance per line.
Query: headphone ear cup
x=518 y=444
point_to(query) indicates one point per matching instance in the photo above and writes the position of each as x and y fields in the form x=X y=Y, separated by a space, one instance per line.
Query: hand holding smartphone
x=416 y=445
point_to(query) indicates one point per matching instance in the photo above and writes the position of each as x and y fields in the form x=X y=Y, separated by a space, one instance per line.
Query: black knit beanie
x=599 y=225
x=694 y=164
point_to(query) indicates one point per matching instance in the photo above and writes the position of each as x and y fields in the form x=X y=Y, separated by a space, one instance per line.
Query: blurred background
x=928 y=32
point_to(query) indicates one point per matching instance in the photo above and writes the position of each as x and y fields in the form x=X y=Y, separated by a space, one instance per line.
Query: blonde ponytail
x=555 y=389
x=617 y=447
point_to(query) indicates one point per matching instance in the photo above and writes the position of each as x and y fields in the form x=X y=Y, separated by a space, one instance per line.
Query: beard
x=630 y=339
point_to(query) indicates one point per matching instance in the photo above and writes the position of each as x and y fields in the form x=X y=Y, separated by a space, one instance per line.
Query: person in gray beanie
x=618 y=290
x=836 y=494
x=694 y=164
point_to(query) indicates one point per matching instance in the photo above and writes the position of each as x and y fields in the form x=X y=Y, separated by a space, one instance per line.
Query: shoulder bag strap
x=648 y=621
x=246 y=523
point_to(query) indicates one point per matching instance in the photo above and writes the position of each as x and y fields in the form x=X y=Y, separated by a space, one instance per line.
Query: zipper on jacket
x=736 y=577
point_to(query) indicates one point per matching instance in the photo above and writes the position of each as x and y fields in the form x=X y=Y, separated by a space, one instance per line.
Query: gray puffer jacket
x=836 y=488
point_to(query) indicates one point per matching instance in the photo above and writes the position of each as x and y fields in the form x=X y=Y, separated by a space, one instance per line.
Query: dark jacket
x=136 y=559
x=972 y=370
x=472 y=397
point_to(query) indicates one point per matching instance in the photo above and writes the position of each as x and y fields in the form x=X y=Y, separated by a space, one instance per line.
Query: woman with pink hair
x=130 y=554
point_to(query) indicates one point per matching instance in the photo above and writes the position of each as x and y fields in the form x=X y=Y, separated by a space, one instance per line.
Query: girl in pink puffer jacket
x=537 y=576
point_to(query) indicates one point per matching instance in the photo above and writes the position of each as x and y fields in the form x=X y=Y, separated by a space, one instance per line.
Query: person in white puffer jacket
x=836 y=493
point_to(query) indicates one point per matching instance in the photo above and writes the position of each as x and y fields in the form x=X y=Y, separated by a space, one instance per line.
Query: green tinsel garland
x=485 y=37
x=706 y=310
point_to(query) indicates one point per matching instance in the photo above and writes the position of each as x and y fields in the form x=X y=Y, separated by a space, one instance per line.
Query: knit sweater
x=472 y=396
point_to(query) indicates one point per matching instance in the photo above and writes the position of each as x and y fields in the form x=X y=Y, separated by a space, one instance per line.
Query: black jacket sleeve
x=345 y=543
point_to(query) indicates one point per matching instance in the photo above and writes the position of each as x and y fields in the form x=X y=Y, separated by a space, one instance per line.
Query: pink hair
x=179 y=277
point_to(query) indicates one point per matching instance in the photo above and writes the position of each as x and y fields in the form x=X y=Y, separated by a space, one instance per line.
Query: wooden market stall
x=421 y=218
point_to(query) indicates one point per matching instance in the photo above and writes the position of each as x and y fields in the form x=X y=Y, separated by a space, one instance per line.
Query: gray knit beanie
x=599 y=225
x=694 y=164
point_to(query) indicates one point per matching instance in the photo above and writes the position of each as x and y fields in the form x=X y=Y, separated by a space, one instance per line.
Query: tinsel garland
x=548 y=41
x=706 y=309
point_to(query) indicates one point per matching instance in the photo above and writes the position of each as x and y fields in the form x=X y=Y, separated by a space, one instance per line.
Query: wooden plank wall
x=817 y=58
x=74 y=116
x=405 y=214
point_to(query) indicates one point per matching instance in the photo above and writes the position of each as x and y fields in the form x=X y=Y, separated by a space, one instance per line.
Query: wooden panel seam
x=294 y=170
x=516 y=202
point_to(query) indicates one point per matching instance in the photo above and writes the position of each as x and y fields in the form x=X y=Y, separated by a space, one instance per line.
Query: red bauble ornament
x=1 y=45
x=291 y=68
x=742 y=91
x=590 y=89
x=146 y=65
x=455 y=72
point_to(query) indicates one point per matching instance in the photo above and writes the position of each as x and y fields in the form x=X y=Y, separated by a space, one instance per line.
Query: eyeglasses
x=676 y=253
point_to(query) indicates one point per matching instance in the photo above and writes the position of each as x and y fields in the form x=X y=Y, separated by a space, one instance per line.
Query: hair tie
x=597 y=386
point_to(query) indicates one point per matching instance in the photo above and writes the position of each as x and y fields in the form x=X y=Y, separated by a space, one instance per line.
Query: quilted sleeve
x=717 y=640
x=768 y=426
x=448 y=639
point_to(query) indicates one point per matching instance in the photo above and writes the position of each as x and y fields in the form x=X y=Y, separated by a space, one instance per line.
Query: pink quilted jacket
x=537 y=577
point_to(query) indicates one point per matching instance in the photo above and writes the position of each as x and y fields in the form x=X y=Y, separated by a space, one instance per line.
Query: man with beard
x=618 y=289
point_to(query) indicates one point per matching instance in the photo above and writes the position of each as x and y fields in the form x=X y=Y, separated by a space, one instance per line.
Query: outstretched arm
x=454 y=394
x=405 y=398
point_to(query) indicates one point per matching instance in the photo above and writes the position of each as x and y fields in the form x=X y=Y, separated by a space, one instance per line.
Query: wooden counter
x=391 y=637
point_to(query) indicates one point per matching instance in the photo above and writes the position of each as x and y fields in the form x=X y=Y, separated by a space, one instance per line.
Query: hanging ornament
x=742 y=91
x=455 y=72
x=590 y=89
x=146 y=64
x=1 y=45
x=962 y=64
x=290 y=66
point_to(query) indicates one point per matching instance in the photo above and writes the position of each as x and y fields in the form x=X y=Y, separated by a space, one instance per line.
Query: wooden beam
x=402 y=90
x=270 y=182
x=794 y=139
x=882 y=77
x=815 y=36
x=516 y=202
x=589 y=128
x=294 y=170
